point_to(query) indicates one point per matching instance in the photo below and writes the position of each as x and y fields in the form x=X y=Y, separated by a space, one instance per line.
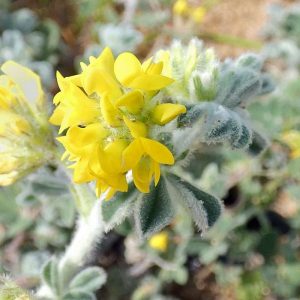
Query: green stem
x=89 y=231
x=231 y=40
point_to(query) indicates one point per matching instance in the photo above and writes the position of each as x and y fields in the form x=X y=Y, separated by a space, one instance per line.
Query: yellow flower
x=159 y=241
x=180 y=7
x=198 y=14
x=108 y=111
x=25 y=136
x=292 y=139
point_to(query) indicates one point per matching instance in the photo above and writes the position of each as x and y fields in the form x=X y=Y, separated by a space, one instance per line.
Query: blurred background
x=253 y=251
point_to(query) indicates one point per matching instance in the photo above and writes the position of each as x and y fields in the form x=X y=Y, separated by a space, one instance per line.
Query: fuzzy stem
x=88 y=233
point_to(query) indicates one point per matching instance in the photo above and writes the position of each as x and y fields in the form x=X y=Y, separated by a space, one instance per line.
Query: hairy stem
x=89 y=232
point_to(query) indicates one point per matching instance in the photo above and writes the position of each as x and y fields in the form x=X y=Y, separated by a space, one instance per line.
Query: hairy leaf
x=79 y=295
x=50 y=275
x=204 y=208
x=153 y=211
x=88 y=280
x=119 y=207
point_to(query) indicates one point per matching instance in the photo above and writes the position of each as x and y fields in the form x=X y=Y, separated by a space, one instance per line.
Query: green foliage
x=118 y=208
x=153 y=211
x=248 y=241
x=81 y=286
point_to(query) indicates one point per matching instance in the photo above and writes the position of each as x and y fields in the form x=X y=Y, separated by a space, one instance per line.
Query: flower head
x=25 y=135
x=107 y=113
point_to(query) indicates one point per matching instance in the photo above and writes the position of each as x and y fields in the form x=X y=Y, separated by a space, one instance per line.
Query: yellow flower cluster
x=23 y=122
x=108 y=110
x=292 y=139
x=182 y=8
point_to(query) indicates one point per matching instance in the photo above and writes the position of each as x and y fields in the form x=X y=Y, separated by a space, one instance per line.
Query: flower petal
x=157 y=151
x=142 y=175
x=132 y=154
x=127 y=67
x=110 y=114
x=149 y=82
x=97 y=79
x=111 y=156
x=166 y=112
x=136 y=128
x=106 y=61
x=132 y=101
x=28 y=81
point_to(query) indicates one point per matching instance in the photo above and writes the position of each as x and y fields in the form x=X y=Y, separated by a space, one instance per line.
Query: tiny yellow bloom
x=180 y=7
x=159 y=241
x=198 y=14
x=292 y=139
x=131 y=73
x=166 y=112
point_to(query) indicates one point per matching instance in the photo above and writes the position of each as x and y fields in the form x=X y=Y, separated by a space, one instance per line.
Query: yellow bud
x=159 y=241
x=180 y=7
x=292 y=139
x=198 y=14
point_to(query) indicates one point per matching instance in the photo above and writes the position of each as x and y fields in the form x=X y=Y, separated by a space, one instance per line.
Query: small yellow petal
x=97 y=79
x=166 y=112
x=180 y=7
x=150 y=82
x=136 y=128
x=57 y=116
x=110 y=114
x=151 y=68
x=75 y=79
x=106 y=61
x=132 y=101
x=132 y=154
x=110 y=157
x=157 y=151
x=159 y=241
x=142 y=174
x=127 y=67
x=28 y=81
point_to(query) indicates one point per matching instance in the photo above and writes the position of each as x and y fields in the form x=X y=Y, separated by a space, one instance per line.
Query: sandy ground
x=239 y=18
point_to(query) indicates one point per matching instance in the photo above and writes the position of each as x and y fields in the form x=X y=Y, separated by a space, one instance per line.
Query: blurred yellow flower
x=198 y=14
x=159 y=241
x=292 y=139
x=184 y=9
x=108 y=111
x=25 y=134
x=180 y=7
